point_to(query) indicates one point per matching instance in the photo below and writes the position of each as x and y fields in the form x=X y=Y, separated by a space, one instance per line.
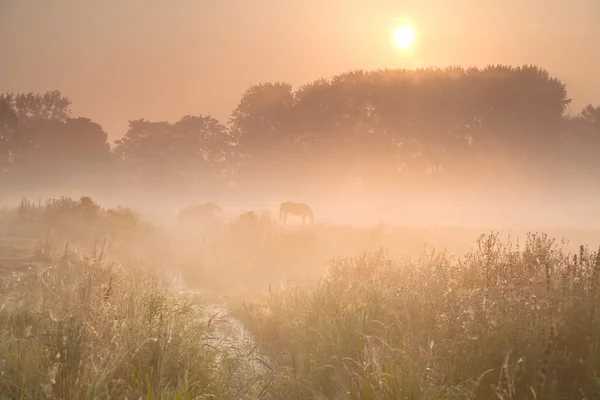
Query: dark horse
x=202 y=212
x=298 y=209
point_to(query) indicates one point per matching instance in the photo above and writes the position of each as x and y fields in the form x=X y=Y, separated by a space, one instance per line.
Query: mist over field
x=198 y=204
x=293 y=249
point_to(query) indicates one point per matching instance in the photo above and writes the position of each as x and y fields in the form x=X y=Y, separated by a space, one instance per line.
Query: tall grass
x=86 y=328
x=506 y=320
x=503 y=322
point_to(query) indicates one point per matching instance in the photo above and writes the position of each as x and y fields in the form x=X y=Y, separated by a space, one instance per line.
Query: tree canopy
x=379 y=126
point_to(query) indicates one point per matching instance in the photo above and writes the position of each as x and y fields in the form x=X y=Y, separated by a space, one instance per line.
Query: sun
x=404 y=37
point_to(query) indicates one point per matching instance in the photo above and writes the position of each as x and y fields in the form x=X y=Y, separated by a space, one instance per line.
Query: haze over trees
x=384 y=127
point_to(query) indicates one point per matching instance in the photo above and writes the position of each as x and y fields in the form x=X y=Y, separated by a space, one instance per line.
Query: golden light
x=404 y=37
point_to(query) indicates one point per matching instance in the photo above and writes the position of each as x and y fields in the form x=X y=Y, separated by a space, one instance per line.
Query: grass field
x=322 y=312
x=16 y=254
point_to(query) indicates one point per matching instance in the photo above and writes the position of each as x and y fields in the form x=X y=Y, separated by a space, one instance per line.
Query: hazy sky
x=127 y=59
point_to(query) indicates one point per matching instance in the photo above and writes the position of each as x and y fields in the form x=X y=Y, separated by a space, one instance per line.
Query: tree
x=523 y=114
x=60 y=152
x=196 y=149
x=206 y=146
x=425 y=112
x=581 y=139
x=51 y=105
x=336 y=124
x=384 y=125
x=8 y=127
x=261 y=124
x=42 y=143
x=591 y=116
x=433 y=121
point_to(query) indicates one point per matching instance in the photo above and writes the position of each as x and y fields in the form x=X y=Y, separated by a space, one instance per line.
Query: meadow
x=99 y=303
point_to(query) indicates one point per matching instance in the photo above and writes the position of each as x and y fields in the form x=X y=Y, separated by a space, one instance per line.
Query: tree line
x=383 y=126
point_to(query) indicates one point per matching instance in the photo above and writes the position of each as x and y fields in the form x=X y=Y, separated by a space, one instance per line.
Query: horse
x=204 y=211
x=299 y=209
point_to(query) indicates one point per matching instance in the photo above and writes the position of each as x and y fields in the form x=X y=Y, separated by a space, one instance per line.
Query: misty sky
x=120 y=60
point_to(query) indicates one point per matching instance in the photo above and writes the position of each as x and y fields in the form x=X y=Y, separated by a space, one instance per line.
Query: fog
x=404 y=160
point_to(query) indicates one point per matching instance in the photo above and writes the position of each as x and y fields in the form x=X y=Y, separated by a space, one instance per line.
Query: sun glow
x=404 y=37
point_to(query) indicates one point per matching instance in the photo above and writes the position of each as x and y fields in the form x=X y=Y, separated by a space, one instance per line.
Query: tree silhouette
x=261 y=125
x=382 y=127
x=8 y=127
x=376 y=124
x=194 y=149
x=580 y=139
x=591 y=117
x=42 y=144
x=51 y=105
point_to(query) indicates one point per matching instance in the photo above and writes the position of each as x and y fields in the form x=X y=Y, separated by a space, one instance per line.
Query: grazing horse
x=202 y=212
x=298 y=209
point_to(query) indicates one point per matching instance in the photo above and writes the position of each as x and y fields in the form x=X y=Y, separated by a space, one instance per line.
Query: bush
x=80 y=221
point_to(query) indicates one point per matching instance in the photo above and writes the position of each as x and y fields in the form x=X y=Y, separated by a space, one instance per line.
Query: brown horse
x=298 y=209
x=204 y=211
